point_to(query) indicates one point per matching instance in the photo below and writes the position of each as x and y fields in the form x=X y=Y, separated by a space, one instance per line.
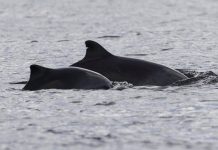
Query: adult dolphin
x=135 y=71
x=65 y=78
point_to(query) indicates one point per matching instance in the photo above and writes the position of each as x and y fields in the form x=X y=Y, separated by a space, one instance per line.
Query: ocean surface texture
x=181 y=34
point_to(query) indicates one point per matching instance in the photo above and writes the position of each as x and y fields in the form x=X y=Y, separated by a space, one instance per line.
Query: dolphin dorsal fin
x=37 y=71
x=95 y=51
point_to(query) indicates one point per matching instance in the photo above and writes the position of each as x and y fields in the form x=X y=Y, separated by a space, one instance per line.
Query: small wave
x=110 y=36
x=202 y=78
x=136 y=54
x=105 y=103
x=166 y=49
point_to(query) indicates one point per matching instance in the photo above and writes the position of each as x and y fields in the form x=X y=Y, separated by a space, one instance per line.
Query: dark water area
x=180 y=34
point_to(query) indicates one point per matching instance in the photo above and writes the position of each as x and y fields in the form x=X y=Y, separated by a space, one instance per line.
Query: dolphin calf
x=65 y=78
x=134 y=71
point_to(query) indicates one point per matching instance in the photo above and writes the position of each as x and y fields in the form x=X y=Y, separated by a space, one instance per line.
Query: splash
x=121 y=85
x=201 y=78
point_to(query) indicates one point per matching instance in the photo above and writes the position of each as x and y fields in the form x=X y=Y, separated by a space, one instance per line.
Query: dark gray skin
x=135 y=71
x=65 y=78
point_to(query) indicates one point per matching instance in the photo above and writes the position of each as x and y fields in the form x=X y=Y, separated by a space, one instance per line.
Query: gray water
x=181 y=34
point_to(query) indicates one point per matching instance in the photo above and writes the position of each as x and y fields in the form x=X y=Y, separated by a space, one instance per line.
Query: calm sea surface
x=181 y=34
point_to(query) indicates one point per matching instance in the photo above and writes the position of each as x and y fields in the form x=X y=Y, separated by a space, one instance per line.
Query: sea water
x=179 y=34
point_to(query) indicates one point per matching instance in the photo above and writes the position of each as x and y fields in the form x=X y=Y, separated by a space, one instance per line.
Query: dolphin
x=134 y=71
x=65 y=78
